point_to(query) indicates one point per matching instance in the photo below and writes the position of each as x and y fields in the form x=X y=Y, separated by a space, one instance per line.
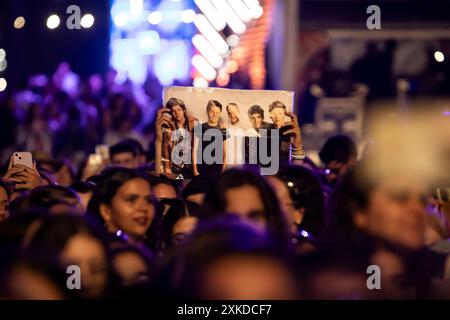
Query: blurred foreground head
x=57 y=242
x=226 y=259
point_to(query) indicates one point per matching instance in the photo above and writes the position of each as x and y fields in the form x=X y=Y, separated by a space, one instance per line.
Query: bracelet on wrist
x=298 y=156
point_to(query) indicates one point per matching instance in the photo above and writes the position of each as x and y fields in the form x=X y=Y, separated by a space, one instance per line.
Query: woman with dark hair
x=123 y=201
x=380 y=215
x=249 y=196
x=183 y=125
x=302 y=201
x=70 y=240
x=178 y=223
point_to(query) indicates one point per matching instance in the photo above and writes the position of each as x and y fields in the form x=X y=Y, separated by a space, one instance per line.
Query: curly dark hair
x=256 y=109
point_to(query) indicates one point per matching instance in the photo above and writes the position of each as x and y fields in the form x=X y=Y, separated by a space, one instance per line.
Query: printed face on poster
x=240 y=108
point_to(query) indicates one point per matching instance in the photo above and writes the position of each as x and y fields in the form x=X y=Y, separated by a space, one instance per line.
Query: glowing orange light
x=223 y=79
x=232 y=66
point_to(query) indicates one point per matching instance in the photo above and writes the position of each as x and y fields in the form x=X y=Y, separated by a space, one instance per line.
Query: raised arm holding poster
x=204 y=131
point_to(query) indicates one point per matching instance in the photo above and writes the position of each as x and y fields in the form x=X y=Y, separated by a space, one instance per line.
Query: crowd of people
x=131 y=230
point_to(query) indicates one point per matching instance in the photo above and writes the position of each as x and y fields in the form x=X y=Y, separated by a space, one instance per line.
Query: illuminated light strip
x=207 y=50
x=211 y=34
x=200 y=63
x=251 y=3
x=231 y=18
x=241 y=10
x=250 y=54
x=255 y=10
x=212 y=14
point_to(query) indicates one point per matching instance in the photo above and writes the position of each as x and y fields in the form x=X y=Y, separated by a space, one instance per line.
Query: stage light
x=53 y=21
x=136 y=7
x=121 y=19
x=2 y=54
x=3 y=65
x=213 y=15
x=232 y=66
x=172 y=18
x=87 y=21
x=200 y=82
x=128 y=62
x=172 y=63
x=19 y=23
x=139 y=71
x=3 y=84
x=155 y=17
x=119 y=6
x=251 y=3
x=200 y=63
x=124 y=53
x=439 y=56
x=231 y=18
x=211 y=34
x=205 y=48
x=241 y=10
x=256 y=12
x=188 y=16
x=223 y=78
x=233 y=40
x=170 y=58
x=148 y=42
